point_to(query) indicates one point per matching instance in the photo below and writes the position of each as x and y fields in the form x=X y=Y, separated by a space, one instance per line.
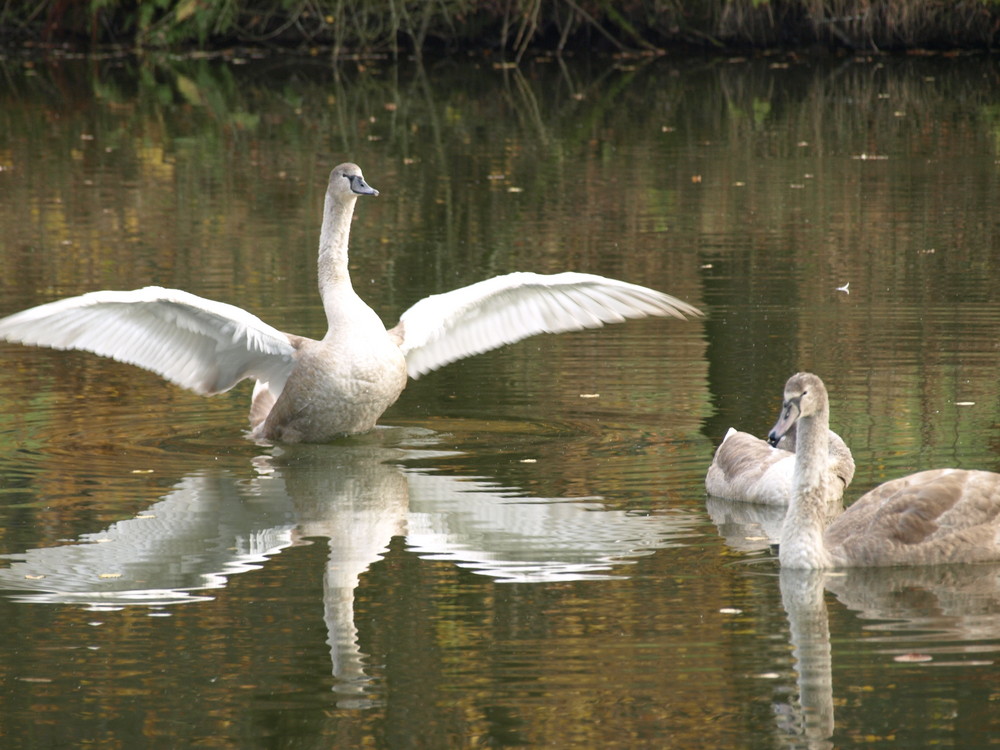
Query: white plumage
x=447 y=327
x=197 y=343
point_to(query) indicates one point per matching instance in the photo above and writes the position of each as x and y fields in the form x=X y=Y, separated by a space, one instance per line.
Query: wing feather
x=446 y=327
x=197 y=343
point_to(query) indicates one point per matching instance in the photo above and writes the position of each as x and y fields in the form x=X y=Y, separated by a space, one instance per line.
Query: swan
x=927 y=518
x=748 y=469
x=313 y=391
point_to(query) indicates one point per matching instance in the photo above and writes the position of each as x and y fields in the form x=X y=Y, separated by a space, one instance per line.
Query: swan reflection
x=942 y=610
x=938 y=610
x=214 y=524
x=746 y=527
x=204 y=530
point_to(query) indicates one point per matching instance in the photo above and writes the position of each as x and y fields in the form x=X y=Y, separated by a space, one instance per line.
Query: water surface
x=523 y=555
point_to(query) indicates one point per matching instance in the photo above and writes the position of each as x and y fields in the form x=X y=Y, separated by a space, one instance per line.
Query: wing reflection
x=942 y=610
x=203 y=531
x=492 y=530
x=214 y=524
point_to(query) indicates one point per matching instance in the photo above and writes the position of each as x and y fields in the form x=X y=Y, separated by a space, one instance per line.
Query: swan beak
x=360 y=187
x=789 y=415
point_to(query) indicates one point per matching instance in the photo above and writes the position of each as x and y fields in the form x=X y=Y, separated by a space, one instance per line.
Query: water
x=523 y=555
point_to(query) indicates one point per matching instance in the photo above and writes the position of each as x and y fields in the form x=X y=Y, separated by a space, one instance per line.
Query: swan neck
x=802 y=544
x=812 y=448
x=333 y=243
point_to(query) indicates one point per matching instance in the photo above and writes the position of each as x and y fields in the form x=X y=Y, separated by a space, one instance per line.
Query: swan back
x=931 y=517
x=748 y=469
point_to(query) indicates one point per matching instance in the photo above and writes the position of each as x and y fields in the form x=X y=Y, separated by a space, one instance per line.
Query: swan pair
x=927 y=518
x=313 y=391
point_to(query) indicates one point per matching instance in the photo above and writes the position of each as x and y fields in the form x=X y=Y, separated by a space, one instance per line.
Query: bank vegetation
x=512 y=27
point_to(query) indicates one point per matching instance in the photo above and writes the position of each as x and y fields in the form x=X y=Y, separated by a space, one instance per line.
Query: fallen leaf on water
x=914 y=657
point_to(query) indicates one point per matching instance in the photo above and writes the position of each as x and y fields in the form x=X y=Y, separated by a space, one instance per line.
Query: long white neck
x=333 y=242
x=802 y=543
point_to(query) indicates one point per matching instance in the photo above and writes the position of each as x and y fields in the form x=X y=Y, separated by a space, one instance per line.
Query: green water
x=523 y=556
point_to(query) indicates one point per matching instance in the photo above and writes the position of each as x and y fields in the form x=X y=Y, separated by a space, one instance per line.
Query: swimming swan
x=748 y=469
x=312 y=391
x=936 y=516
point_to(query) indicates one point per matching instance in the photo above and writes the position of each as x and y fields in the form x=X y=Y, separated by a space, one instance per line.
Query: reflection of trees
x=547 y=167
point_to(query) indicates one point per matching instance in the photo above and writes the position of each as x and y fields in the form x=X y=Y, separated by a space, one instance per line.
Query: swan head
x=346 y=180
x=805 y=396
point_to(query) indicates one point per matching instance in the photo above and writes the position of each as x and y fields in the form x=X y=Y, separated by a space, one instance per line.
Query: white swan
x=748 y=469
x=310 y=390
x=932 y=517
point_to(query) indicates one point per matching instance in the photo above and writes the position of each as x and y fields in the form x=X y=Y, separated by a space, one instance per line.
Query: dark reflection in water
x=525 y=557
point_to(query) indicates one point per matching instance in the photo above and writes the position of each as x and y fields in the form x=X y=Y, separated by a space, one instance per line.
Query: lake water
x=523 y=555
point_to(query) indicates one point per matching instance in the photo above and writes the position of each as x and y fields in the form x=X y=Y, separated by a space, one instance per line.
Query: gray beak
x=360 y=187
x=789 y=415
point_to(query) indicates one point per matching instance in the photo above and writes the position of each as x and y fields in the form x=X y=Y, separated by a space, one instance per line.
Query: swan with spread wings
x=308 y=390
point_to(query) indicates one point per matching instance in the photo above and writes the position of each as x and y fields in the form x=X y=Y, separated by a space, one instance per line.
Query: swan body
x=927 y=518
x=312 y=391
x=748 y=469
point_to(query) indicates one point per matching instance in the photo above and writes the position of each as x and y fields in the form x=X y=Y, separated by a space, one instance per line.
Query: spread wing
x=446 y=327
x=197 y=343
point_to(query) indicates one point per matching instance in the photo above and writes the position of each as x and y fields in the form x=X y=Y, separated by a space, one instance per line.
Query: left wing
x=446 y=327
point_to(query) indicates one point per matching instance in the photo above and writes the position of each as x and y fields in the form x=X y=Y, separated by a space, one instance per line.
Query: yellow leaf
x=185 y=9
x=189 y=90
